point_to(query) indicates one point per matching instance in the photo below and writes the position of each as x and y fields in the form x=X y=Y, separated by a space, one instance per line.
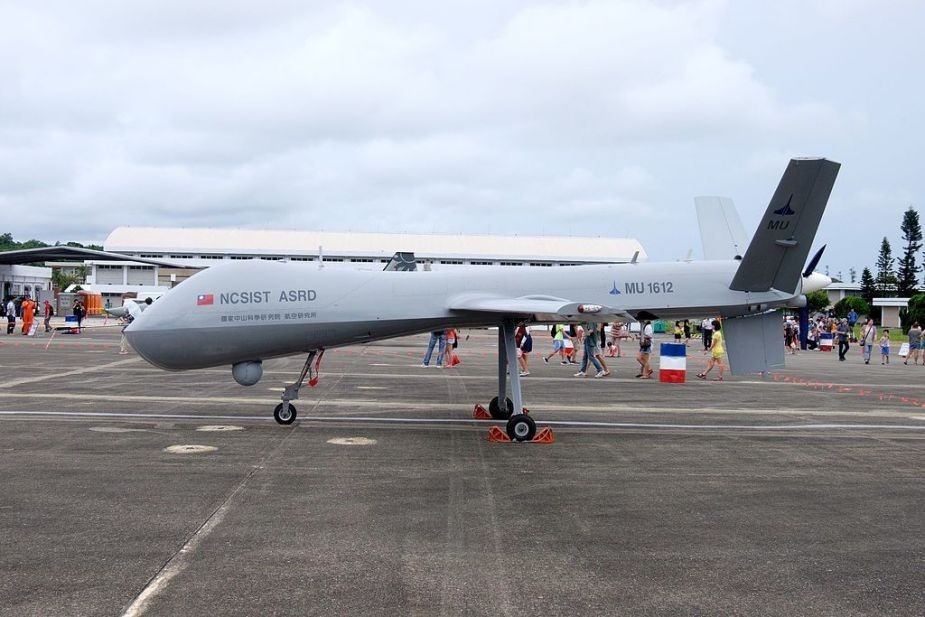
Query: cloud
x=459 y=116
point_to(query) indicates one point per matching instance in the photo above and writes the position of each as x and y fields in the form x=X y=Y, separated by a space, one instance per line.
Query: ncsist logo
x=786 y=210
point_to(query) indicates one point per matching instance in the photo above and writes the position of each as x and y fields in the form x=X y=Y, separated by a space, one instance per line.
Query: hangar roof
x=277 y=242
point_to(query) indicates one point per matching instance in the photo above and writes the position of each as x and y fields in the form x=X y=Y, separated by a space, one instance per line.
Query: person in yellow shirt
x=716 y=353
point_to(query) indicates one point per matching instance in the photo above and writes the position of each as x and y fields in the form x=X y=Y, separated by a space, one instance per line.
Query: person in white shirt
x=868 y=336
x=645 y=348
x=706 y=329
x=10 y=316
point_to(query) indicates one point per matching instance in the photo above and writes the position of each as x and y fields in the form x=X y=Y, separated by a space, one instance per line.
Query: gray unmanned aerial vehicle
x=244 y=312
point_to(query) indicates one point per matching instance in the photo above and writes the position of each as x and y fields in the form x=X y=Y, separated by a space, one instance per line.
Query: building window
x=240 y=257
x=211 y=257
x=481 y=263
x=301 y=259
x=333 y=258
x=452 y=262
x=512 y=263
x=540 y=264
x=150 y=256
x=181 y=256
x=361 y=260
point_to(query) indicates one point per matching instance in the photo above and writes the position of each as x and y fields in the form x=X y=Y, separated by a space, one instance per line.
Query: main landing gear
x=285 y=412
x=520 y=426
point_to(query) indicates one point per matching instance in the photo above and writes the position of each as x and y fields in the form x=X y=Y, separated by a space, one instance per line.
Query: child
x=885 y=347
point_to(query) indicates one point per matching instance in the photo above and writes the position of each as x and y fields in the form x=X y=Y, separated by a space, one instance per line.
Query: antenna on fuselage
x=320 y=257
x=635 y=257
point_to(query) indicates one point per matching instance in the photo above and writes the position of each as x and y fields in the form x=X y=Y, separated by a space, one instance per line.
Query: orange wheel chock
x=496 y=435
x=544 y=435
x=480 y=413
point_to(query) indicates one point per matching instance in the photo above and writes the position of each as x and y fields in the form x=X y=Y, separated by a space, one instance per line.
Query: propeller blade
x=813 y=262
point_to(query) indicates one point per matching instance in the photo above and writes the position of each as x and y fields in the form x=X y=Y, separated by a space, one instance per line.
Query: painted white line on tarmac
x=178 y=562
x=56 y=375
x=473 y=422
x=403 y=405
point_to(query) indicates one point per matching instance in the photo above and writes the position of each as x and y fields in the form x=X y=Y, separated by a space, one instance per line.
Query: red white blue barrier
x=672 y=363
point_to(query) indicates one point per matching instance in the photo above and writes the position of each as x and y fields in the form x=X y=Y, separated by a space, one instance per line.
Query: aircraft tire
x=501 y=414
x=287 y=419
x=521 y=427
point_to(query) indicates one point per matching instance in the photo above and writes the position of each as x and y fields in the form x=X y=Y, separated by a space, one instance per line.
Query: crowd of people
x=596 y=341
x=26 y=309
x=825 y=331
x=588 y=345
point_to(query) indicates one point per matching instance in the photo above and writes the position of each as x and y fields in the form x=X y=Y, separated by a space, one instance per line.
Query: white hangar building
x=200 y=248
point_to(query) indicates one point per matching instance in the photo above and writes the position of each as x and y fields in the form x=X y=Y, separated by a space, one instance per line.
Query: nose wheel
x=284 y=413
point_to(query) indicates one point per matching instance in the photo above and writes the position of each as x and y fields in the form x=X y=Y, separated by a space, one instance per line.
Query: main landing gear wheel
x=521 y=427
x=501 y=414
x=284 y=417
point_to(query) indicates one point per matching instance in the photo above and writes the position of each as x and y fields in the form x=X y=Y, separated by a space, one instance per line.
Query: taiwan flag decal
x=205 y=299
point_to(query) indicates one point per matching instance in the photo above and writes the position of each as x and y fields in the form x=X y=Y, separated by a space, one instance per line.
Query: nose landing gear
x=285 y=412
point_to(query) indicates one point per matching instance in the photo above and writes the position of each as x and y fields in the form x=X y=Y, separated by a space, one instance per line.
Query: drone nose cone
x=154 y=342
x=815 y=282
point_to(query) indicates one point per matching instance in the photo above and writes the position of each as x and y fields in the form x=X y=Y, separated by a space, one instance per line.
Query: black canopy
x=71 y=253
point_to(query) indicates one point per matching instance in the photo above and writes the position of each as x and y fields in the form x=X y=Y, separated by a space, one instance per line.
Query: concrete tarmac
x=802 y=493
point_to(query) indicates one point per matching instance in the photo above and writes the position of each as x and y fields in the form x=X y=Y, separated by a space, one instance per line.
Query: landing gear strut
x=285 y=412
x=520 y=426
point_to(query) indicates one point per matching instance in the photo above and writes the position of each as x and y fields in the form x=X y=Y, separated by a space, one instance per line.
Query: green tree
x=844 y=306
x=886 y=276
x=60 y=280
x=915 y=312
x=868 y=286
x=817 y=301
x=7 y=243
x=908 y=275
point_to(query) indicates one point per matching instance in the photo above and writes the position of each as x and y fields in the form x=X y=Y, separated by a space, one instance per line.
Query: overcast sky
x=488 y=116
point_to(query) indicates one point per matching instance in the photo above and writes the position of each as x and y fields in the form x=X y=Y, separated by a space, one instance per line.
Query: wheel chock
x=496 y=435
x=544 y=435
x=480 y=413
